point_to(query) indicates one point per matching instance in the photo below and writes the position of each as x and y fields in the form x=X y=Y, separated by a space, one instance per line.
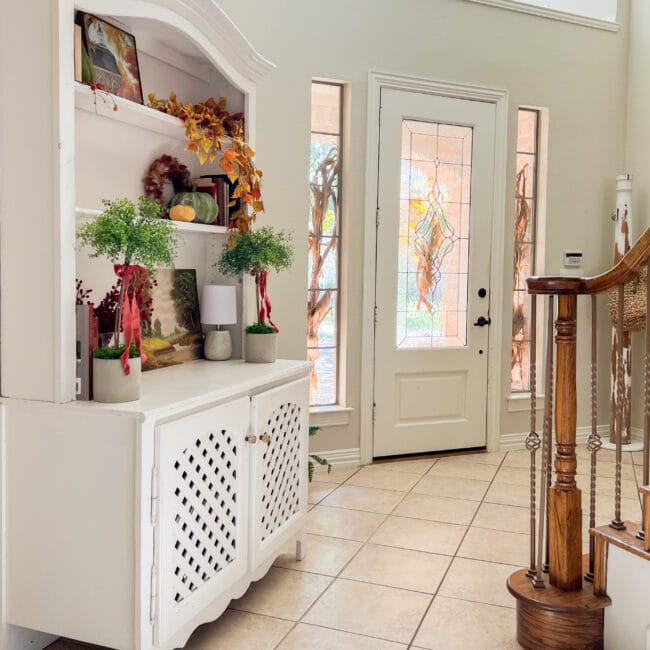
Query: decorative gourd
x=182 y=213
x=205 y=207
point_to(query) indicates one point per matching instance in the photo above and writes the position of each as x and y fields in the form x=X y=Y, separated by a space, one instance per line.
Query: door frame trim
x=499 y=97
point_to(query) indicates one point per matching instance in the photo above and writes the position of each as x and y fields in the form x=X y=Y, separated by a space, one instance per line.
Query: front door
x=435 y=201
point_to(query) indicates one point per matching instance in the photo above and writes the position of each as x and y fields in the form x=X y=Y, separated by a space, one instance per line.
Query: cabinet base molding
x=553 y=618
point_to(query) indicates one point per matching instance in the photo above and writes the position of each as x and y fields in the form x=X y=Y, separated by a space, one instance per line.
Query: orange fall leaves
x=211 y=132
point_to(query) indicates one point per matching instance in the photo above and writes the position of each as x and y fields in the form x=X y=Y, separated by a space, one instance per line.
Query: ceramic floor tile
x=376 y=476
x=478 y=581
x=495 y=546
x=447 y=486
x=372 y=610
x=452 y=624
x=337 y=475
x=463 y=468
x=417 y=466
x=325 y=555
x=398 y=567
x=608 y=470
x=630 y=508
x=320 y=638
x=509 y=494
x=605 y=485
x=516 y=475
x=419 y=535
x=518 y=458
x=609 y=455
x=363 y=498
x=282 y=593
x=637 y=457
x=501 y=517
x=236 y=630
x=486 y=457
x=345 y=524
x=434 y=508
x=319 y=490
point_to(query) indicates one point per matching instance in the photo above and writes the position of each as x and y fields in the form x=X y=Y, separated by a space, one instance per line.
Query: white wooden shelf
x=88 y=214
x=128 y=112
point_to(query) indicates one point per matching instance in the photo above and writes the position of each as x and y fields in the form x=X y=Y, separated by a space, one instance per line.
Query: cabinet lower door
x=279 y=479
x=201 y=528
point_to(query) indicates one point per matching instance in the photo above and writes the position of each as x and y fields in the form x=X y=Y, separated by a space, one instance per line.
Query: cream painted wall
x=637 y=160
x=578 y=73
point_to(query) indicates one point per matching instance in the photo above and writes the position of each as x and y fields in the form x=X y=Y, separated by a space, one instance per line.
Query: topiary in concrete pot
x=110 y=383
x=260 y=344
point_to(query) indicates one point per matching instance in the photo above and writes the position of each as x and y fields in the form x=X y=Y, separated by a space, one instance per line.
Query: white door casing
x=378 y=82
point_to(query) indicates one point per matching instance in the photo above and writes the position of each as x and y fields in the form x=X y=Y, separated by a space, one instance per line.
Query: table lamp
x=218 y=307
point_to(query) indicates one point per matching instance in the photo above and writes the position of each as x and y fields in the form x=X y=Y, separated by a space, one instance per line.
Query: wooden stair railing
x=566 y=613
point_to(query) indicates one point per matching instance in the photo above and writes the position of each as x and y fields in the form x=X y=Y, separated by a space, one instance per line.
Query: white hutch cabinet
x=126 y=525
x=130 y=525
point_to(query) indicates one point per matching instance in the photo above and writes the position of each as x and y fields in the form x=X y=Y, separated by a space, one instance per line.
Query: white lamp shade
x=219 y=305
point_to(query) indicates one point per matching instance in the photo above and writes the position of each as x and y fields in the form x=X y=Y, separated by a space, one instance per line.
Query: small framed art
x=114 y=57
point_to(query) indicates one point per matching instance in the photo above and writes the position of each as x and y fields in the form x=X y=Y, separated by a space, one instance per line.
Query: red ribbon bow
x=133 y=277
x=265 y=302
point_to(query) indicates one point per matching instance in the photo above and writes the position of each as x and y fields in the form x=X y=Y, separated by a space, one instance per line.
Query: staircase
x=563 y=596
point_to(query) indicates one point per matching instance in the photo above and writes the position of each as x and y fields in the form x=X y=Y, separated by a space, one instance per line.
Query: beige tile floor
x=411 y=554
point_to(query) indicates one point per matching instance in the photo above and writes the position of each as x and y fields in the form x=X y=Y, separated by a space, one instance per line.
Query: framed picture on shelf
x=114 y=57
x=173 y=335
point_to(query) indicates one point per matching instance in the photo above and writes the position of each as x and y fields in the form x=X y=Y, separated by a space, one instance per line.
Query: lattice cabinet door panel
x=202 y=523
x=279 y=474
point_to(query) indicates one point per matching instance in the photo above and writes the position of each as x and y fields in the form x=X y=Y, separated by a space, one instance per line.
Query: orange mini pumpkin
x=182 y=213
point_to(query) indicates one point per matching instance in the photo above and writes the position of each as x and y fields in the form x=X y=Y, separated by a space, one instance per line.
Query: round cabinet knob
x=251 y=438
x=265 y=437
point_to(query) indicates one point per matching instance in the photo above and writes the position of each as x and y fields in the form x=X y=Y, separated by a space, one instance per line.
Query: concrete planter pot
x=260 y=348
x=111 y=385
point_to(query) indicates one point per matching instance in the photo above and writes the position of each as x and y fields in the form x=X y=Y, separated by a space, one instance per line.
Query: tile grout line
x=296 y=623
x=412 y=641
x=338 y=575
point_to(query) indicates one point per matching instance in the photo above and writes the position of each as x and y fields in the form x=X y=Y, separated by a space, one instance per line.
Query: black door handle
x=482 y=321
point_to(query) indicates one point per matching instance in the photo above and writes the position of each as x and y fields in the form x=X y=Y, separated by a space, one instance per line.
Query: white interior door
x=435 y=200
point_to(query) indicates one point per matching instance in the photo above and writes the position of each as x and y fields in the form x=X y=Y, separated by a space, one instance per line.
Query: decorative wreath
x=167 y=176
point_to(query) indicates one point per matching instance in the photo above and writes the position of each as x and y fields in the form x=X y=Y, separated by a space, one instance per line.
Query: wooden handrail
x=627 y=269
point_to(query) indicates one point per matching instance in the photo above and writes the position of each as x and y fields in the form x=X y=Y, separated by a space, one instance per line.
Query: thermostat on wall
x=572 y=258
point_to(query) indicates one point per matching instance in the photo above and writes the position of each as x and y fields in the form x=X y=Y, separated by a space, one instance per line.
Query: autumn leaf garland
x=211 y=130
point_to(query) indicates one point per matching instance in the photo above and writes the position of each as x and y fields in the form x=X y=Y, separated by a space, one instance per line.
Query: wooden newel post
x=565 y=513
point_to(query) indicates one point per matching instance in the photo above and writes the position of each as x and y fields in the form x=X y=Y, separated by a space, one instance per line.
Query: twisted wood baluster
x=532 y=440
x=594 y=442
x=542 y=533
x=617 y=523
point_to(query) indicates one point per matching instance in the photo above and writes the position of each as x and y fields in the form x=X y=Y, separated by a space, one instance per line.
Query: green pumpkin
x=204 y=205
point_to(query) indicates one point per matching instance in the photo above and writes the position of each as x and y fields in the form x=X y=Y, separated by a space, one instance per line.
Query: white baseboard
x=341 y=457
x=513 y=441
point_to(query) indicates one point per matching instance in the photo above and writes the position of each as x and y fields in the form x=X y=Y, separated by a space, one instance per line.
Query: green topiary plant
x=130 y=236
x=257 y=252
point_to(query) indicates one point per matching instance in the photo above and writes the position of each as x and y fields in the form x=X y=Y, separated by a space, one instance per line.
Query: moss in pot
x=256 y=252
x=137 y=242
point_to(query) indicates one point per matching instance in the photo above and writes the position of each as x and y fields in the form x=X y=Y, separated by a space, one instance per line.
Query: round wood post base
x=553 y=618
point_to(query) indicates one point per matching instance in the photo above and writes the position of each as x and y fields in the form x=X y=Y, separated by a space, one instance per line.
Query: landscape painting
x=173 y=334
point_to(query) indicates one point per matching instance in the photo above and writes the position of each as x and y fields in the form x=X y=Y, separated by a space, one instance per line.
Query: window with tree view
x=324 y=237
x=524 y=243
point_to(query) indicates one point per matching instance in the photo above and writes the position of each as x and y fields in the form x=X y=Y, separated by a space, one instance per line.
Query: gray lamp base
x=217 y=345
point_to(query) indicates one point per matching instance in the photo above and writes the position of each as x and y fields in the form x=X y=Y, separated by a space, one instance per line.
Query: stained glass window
x=324 y=239
x=524 y=245
x=436 y=170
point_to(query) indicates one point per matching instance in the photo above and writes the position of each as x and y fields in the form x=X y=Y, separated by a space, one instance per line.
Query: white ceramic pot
x=217 y=345
x=260 y=348
x=110 y=384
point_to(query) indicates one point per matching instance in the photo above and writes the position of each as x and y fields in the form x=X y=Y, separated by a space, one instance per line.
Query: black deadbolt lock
x=482 y=293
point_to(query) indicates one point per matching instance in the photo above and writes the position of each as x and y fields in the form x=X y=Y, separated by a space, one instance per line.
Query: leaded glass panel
x=433 y=240
x=524 y=246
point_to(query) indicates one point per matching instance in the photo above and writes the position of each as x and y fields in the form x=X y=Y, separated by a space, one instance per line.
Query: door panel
x=279 y=490
x=435 y=197
x=202 y=524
